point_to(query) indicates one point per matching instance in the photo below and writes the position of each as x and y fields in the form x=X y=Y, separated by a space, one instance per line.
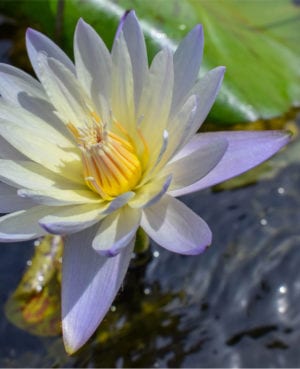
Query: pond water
x=236 y=305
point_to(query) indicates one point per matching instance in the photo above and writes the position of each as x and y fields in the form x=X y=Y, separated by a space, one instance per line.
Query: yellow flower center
x=110 y=162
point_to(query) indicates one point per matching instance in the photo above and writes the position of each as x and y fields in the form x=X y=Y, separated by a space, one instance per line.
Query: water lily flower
x=98 y=148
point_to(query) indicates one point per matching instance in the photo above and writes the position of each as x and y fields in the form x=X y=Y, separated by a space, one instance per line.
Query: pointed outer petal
x=22 y=225
x=30 y=175
x=151 y=192
x=90 y=283
x=10 y=201
x=116 y=231
x=195 y=166
x=122 y=85
x=74 y=219
x=64 y=162
x=175 y=227
x=156 y=99
x=36 y=42
x=187 y=61
x=206 y=89
x=64 y=91
x=58 y=197
x=9 y=152
x=245 y=151
x=93 y=64
x=22 y=90
x=121 y=23
x=137 y=50
x=71 y=219
x=33 y=124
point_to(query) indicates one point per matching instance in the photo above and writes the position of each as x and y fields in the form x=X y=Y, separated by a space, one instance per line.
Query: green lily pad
x=256 y=40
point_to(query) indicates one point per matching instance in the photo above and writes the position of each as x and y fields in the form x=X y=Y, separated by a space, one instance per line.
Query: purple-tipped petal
x=90 y=283
x=71 y=219
x=135 y=41
x=245 y=151
x=121 y=23
x=116 y=231
x=187 y=61
x=175 y=227
x=36 y=42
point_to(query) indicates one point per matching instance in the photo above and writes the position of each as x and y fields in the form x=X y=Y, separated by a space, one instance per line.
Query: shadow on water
x=237 y=305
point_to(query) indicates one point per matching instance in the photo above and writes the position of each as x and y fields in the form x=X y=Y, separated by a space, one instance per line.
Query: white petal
x=137 y=50
x=59 y=197
x=175 y=227
x=41 y=151
x=64 y=91
x=20 y=89
x=36 y=42
x=122 y=85
x=187 y=61
x=14 y=81
x=9 y=152
x=22 y=225
x=71 y=219
x=151 y=192
x=195 y=166
x=116 y=231
x=156 y=99
x=93 y=64
x=179 y=127
x=10 y=201
x=30 y=175
x=156 y=157
x=90 y=283
x=33 y=123
x=206 y=89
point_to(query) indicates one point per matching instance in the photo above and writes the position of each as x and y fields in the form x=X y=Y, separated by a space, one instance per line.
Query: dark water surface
x=236 y=305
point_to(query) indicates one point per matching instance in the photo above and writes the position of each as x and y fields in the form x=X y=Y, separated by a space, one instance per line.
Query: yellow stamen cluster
x=110 y=162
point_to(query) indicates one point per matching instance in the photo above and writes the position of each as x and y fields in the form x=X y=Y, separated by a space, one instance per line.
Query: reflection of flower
x=110 y=140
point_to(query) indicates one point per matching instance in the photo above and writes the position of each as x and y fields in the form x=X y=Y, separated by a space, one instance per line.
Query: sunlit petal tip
x=218 y=77
x=81 y=26
x=30 y=32
x=222 y=69
x=198 y=30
